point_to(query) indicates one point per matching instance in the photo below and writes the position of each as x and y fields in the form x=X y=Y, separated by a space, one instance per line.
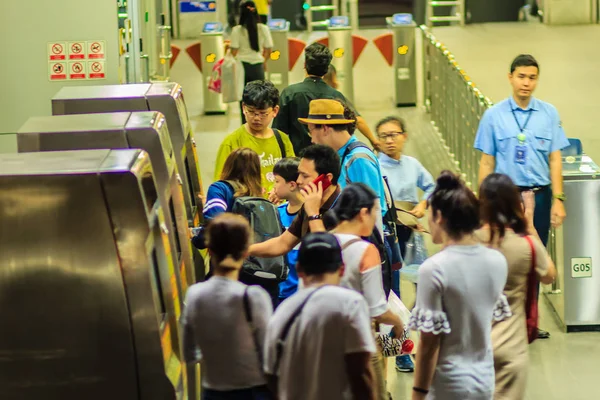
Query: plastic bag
x=232 y=79
x=392 y=347
x=416 y=254
x=215 y=80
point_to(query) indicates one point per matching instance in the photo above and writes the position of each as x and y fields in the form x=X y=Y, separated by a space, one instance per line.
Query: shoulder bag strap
x=533 y=258
x=531 y=303
x=248 y=313
x=280 y=142
x=350 y=243
x=352 y=146
x=287 y=327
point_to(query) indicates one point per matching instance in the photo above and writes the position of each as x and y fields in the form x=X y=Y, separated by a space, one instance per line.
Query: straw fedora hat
x=326 y=112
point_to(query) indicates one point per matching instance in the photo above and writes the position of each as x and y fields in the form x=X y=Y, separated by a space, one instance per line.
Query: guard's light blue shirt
x=362 y=170
x=497 y=136
x=405 y=176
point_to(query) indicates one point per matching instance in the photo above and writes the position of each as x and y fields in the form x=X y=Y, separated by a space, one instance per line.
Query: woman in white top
x=460 y=292
x=356 y=212
x=251 y=43
x=224 y=321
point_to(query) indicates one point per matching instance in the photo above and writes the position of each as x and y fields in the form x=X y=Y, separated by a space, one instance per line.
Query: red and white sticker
x=57 y=51
x=96 y=70
x=95 y=49
x=77 y=70
x=76 y=50
x=57 y=71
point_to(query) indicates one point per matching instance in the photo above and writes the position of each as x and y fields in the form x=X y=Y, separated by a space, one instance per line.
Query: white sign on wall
x=86 y=60
x=581 y=267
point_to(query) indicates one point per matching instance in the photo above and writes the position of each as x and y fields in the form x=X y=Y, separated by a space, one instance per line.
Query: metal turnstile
x=405 y=67
x=88 y=297
x=340 y=44
x=166 y=98
x=575 y=295
x=212 y=49
x=278 y=63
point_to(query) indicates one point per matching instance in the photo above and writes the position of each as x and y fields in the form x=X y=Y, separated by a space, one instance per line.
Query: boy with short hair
x=260 y=103
x=286 y=188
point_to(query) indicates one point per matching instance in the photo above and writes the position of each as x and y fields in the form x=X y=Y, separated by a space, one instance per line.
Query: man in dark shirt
x=315 y=160
x=295 y=99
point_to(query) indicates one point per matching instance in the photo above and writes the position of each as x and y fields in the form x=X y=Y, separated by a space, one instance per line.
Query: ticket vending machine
x=167 y=98
x=87 y=297
x=340 y=44
x=279 y=61
x=212 y=49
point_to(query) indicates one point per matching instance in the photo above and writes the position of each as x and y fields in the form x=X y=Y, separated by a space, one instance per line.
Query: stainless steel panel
x=62 y=298
x=340 y=44
x=100 y=99
x=405 y=78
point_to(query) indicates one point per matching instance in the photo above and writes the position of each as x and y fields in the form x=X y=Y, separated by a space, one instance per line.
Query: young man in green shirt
x=260 y=103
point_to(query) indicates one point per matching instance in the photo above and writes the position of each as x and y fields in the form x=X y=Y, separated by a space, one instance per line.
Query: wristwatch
x=314 y=217
x=560 y=196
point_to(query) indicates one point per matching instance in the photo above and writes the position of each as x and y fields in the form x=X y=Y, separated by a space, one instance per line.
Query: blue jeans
x=255 y=393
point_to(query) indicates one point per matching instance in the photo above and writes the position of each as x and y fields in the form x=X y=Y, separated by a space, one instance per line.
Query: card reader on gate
x=279 y=24
x=212 y=27
x=402 y=19
x=340 y=21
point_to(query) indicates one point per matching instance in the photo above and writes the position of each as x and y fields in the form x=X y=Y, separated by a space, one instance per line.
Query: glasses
x=259 y=114
x=389 y=135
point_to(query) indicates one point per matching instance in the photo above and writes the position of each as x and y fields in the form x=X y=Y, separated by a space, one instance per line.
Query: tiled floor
x=568 y=365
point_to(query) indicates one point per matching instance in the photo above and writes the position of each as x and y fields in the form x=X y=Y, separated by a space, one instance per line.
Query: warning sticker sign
x=96 y=70
x=76 y=50
x=56 y=51
x=95 y=49
x=77 y=70
x=57 y=71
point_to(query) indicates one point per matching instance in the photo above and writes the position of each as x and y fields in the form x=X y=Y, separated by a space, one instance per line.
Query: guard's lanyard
x=521 y=129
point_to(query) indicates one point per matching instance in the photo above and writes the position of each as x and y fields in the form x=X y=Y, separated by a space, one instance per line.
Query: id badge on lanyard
x=521 y=147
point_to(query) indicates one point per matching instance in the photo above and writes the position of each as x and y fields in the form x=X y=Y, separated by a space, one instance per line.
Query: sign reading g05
x=581 y=267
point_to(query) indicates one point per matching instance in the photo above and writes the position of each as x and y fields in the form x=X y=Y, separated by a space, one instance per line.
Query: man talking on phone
x=522 y=137
x=318 y=174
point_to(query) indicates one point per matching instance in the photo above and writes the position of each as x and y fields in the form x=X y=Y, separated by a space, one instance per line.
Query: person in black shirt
x=295 y=99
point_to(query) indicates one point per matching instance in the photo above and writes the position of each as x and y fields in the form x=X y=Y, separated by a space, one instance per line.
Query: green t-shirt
x=267 y=149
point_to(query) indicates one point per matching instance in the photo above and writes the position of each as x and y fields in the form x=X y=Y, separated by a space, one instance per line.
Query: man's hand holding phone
x=313 y=194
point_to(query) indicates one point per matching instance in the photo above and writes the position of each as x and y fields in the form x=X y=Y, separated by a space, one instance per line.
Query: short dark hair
x=457 y=204
x=317 y=58
x=325 y=158
x=349 y=113
x=260 y=94
x=287 y=168
x=397 y=120
x=524 y=60
x=354 y=198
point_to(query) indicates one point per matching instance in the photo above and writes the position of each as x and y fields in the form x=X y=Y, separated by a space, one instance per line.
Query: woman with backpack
x=509 y=228
x=355 y=214
x=224 y=321
x=251 y=43
x=241 y=177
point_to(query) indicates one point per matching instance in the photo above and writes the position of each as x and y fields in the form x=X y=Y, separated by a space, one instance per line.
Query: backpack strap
x=354 y=145
x=288 y=326
x=350 y=243
x=280 y=142
x=248 y=313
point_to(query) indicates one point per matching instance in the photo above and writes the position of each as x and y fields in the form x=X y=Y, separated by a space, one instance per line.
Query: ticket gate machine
x=340 y=44
x=404 y=50
x=279 y=61
x=165 y=97
x=87 y=297
x=212 y=49
x=142 y=130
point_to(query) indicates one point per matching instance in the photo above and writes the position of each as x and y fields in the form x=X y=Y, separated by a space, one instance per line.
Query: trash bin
x=405 y=81
x=340 y=44
x=278 y=63
x=212 y=49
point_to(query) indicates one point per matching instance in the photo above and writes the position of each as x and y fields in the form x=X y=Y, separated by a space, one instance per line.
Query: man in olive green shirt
x=260 y=105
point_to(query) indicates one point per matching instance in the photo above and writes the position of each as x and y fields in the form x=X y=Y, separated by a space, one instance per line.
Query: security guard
x=522 y=137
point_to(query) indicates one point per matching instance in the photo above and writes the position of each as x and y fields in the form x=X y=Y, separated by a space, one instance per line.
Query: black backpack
x=375 y=237
x=265 y=223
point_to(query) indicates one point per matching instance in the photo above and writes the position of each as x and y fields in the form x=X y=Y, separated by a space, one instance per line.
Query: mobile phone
x=324 y=181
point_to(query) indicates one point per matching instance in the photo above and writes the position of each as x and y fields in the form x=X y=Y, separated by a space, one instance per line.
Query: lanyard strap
x=521 y=129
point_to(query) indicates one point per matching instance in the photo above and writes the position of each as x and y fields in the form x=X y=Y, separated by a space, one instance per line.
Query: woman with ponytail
x=251 y=43
x=224 y=321
x=355 y=214
x=460 y=292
